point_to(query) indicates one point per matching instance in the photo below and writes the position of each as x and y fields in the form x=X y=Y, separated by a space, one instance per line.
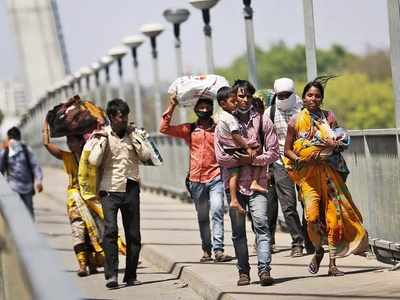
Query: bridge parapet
x=28 y=267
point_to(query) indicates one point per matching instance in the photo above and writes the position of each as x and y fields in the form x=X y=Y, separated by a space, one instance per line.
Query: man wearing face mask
x=284 y=105
x=204 y=180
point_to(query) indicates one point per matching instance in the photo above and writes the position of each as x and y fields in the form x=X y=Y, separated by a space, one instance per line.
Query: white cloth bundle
x=189 y=89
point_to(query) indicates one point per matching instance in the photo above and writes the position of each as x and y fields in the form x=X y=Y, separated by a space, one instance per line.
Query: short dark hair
x=240 y=83
x=315 y=83
x=14 y=133
x=115 y=106
x=224 y=93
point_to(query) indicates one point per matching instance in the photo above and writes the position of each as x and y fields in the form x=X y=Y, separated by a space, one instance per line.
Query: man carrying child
x=254 y=130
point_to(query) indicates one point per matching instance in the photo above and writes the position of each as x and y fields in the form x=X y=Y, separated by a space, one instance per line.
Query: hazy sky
x=92 y=27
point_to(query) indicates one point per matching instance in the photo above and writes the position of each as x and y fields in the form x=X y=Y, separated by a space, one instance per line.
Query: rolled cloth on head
x=283 y=85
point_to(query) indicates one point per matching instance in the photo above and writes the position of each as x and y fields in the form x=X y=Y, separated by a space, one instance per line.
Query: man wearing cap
x=204 y=180
x=284 y=105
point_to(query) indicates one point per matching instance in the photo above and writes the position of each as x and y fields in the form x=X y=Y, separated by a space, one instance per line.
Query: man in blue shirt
x=19 y=165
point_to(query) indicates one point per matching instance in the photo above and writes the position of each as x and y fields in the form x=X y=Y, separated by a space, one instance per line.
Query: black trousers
x=284 y=191
x=129 y=204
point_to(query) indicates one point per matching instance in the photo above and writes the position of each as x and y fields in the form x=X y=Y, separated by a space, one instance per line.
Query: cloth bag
x=75 y=117
x=189 y=89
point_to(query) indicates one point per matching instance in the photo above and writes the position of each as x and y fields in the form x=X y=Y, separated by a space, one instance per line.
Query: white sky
x=92 y=27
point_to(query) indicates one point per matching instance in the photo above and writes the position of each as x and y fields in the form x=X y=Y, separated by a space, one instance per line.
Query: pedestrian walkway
x=171 y=252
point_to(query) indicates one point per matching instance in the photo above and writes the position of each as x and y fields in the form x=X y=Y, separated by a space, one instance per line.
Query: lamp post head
x=203 y=4
x=176 y=15
x=152 y=30
x=95 y=66
x=77 y=75
x=133 y=41
x=106 y=61
x=118 y=52
x=85 y=71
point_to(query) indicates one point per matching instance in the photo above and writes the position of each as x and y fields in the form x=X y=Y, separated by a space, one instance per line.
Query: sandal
x=334 y=271
x=313 y=267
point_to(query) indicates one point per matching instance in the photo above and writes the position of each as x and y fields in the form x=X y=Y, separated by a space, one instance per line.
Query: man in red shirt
x=205 y=184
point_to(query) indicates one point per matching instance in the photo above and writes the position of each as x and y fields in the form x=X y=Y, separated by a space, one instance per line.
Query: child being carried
x=233 y=143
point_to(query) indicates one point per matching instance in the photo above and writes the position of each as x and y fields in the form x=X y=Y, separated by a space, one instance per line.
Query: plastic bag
x=155 y=157
x=189 y=89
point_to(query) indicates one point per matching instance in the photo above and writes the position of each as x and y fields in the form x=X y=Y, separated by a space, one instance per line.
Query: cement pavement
x=171 y=252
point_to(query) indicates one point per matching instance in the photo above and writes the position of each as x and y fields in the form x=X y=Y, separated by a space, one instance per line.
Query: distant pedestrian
x=285 y=104
x=119 y=153
x=22 y=170
x=315 y=163
x=260 y=130
x=204 y=178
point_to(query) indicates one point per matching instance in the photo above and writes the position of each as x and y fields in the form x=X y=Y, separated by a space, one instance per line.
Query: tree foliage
x=362 y=95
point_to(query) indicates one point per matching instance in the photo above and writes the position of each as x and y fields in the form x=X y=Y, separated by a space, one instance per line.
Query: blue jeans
x=209 y=197
x=257 y=204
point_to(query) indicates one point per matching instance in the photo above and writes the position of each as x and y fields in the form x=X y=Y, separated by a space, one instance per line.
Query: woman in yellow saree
x=85 y=219
x=315 y=164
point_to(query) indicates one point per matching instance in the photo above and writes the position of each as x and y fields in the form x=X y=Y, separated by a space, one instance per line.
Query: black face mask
x=204 y=115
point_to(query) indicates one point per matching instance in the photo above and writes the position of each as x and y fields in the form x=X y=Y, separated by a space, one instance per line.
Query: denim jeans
x=28 y=201
x=209 y=197
x=258 y=208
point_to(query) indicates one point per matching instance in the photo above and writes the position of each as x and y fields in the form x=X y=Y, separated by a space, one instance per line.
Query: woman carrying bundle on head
x=86 y=216
x=314 y=162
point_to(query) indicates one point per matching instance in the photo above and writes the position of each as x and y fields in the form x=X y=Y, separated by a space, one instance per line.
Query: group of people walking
x=252 y=157
x=258 y=157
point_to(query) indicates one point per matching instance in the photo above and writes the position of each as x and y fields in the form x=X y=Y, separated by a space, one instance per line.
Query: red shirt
x=203 y=166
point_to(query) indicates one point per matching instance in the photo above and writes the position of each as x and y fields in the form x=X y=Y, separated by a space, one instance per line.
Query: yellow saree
x=329 y=209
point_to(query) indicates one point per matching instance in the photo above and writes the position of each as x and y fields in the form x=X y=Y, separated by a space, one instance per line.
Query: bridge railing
x=28 y=267
x=374 y=181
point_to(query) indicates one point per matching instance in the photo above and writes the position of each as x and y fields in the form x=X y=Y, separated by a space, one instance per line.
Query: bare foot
x=257 y=188
x=236 y=205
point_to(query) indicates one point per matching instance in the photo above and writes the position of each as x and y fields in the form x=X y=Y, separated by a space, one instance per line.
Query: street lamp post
x=78 y=77
x=152 y=31
x=86 y=72
x=309 y=32
x=95 y=70
x=250 y=43
x=118 y=54
x=133 y=42
x=177 y=16
x=205 y=6
x=105 y=62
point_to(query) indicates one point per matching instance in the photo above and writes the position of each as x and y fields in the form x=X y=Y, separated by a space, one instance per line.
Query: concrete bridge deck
x=172 y=248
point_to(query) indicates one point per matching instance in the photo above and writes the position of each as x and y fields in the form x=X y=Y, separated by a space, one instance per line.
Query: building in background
x=12 y=104
x=40 y=45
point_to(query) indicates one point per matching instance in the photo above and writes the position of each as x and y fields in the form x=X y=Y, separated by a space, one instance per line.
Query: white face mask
x=286 y=104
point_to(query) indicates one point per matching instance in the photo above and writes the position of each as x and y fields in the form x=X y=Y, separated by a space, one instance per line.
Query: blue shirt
x=18 y=174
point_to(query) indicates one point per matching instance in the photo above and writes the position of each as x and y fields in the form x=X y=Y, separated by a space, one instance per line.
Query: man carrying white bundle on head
x=204 y=179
